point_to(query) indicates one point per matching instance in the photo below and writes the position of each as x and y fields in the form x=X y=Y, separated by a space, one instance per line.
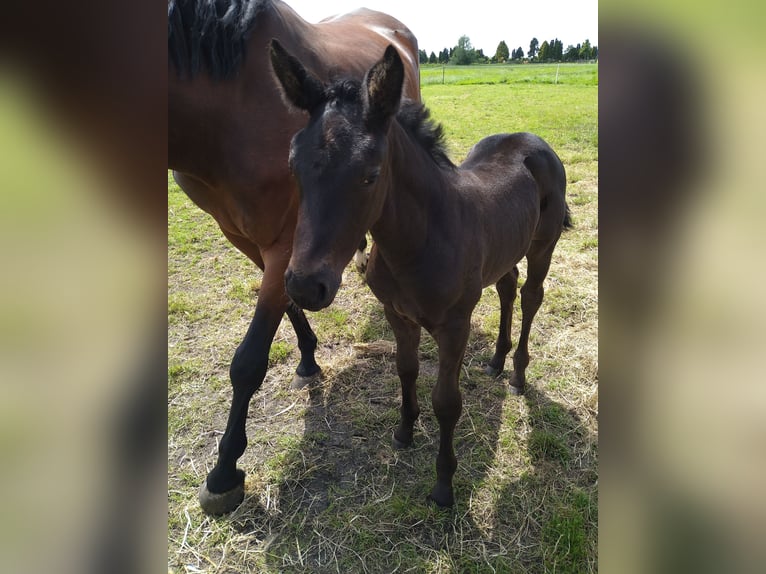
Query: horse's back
x=516 y=157
x=508 y=148
x=359 y=38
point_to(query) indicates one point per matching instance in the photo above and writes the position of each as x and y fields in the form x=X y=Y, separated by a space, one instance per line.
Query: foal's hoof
x=360 y=262
x=300 y=382
x=216 y=504
x=400 y=444
x=517 y=384
x=516 y=391
x=492 y=371
x=441 y=497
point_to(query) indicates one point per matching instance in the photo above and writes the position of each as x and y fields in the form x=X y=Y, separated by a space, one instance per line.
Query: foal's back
x=517 y=183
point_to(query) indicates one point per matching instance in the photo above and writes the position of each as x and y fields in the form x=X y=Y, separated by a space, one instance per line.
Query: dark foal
x=441 y=232
x=229 y=132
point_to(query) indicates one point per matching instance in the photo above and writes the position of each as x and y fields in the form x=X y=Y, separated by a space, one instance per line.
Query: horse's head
x=339 y=162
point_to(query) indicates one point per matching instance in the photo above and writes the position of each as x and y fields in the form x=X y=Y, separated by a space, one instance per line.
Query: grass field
x=326 y=492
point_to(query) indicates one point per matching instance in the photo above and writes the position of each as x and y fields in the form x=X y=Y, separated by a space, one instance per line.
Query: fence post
x=443 y=74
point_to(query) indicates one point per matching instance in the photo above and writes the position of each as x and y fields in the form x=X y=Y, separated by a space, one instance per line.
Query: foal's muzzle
x=314 y=291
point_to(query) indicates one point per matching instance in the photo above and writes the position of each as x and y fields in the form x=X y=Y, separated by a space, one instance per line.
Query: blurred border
x=682 y=403
x=83 y=289
x=82 y=311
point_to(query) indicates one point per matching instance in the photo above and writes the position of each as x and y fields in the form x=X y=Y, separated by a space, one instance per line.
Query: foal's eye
x=371 y=177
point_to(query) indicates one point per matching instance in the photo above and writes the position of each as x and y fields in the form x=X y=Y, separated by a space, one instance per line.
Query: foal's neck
x=417 y=191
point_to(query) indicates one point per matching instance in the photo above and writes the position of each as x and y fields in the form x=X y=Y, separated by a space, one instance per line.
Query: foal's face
x=339 y=161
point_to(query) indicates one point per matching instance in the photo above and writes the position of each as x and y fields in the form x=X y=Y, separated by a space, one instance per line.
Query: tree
x=586 y=51
x=558 y=50
x=422 y=56
x=463 y=54
x=502 y=54
x=572 y=54
x=432 y=58
x=533 y=48
x=518 y=53
x=544 y=54
x=444 y=56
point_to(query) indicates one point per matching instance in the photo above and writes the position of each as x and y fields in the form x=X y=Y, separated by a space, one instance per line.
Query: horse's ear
x=300 y=87
x=384 y=82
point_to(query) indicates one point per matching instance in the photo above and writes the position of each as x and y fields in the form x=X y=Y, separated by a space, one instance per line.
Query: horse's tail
x=568 y=219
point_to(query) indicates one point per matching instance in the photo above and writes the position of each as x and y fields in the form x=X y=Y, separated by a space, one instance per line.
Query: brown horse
x=441 y=232
x=229 y=133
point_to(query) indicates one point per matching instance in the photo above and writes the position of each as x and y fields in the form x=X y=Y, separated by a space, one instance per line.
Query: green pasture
x=326 y=492
x=570 y=74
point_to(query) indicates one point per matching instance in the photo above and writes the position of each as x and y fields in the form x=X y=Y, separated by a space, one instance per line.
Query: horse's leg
x=448 y=404
x=506 y=290
x=407 y=336
x=308 y=371
x=223 y=490
x=538 y=263
x=361 y=257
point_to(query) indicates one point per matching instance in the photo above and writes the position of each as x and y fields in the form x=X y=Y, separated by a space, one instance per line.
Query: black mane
x=416 y=119
x=210 y=35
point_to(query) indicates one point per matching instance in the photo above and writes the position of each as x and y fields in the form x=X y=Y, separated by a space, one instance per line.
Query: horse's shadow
x=345 y=470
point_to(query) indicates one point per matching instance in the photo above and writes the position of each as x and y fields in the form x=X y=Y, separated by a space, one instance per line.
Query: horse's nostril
x=289 y=281
x=321 y=292
x=310 y=292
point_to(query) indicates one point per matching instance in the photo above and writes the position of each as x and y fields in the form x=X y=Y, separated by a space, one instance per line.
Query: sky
x=439 y=24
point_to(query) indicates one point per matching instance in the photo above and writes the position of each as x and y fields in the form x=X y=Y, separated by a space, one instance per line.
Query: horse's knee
x=447 y=405
x=532 y=296
x=248 y=369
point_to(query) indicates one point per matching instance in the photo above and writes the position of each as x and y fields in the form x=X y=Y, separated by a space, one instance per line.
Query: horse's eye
x=371 y=177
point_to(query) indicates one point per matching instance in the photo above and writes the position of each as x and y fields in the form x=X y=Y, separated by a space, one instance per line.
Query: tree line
x=549 y=51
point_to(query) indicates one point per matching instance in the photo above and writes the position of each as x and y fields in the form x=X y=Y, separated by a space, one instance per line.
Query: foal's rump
x=505 y=161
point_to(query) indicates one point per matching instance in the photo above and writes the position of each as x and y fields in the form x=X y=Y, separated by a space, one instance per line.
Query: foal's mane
x=210 y=34
x=415 y=118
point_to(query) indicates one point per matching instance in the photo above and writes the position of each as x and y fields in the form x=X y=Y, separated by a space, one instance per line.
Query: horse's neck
x=416 y=185
x=207 y=118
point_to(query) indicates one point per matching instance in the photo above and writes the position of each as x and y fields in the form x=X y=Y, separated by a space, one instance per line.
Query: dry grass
x=326 y=492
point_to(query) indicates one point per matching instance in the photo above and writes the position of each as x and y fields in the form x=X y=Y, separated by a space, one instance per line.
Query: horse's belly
x=262 y=214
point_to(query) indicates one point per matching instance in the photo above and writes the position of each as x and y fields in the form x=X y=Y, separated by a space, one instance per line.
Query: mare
x=229 y=132
x=441 y=232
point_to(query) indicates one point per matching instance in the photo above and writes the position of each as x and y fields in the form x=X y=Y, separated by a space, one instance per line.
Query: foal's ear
x=384 y=83
x=300 y=87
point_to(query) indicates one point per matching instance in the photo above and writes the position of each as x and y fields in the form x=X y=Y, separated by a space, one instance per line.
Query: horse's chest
x=409 y=295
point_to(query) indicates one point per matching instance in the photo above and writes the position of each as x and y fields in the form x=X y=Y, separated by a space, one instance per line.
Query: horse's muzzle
x=312 y=292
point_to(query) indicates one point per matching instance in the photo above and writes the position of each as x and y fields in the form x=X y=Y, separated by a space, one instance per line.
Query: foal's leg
x=506 y=290
x=538 y=263
x=223 y=490
x=407 y=336
x=448 y=404
x=308 y=371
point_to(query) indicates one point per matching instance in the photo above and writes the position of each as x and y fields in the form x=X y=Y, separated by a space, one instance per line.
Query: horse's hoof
x=216 y=504
x=398 y=444
x=360 y=262
x=442 y=498
x=517 y=384
x=492 y=371
x=300 y=382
